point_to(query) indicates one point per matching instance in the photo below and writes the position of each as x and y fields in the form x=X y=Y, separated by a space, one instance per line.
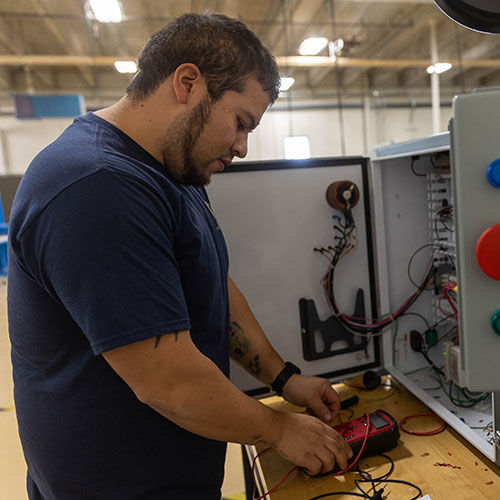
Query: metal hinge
x=496 y=439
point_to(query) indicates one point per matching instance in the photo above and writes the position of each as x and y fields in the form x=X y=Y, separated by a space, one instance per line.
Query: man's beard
x=185 y=131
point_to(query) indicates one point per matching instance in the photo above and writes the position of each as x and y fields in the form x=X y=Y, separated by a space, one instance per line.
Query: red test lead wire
x=297 y=467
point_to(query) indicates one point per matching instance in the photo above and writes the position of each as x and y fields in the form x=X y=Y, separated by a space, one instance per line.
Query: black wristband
x=283 y=376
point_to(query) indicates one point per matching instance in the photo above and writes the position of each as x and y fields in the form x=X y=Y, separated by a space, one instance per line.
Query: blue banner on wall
x=44 y=106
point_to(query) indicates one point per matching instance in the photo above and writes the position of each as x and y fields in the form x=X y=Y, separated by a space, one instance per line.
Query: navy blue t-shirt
x=105 y=249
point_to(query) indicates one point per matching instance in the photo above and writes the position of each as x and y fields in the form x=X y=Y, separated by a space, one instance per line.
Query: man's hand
x=308 y=442
x=314 y=393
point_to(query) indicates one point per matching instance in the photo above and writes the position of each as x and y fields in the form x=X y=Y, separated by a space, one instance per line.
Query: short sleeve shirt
x=105 y=249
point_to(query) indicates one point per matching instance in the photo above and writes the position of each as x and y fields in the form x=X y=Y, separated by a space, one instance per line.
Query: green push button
x=495 y=321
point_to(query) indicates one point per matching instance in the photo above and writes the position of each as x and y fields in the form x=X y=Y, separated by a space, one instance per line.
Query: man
x=122 y=315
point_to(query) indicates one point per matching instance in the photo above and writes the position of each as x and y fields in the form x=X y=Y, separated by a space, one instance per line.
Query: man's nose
x=240 y=146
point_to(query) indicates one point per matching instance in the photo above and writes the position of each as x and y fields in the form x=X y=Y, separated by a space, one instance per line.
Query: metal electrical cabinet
x=423 y=205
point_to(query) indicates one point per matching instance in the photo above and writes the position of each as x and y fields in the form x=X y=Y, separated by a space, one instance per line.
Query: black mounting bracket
x=330 y=330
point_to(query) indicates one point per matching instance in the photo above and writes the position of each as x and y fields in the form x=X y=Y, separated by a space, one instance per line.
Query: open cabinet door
x=273 y=215
x=475 y=148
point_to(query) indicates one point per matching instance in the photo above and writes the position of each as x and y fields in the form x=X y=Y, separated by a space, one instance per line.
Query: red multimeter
x=383 y=435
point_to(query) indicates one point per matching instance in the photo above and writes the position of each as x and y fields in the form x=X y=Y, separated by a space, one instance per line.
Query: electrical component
x=347 y=399
x=444 y=274
x=383 y=435
x=342 y=195
x=431 y=337
x=416 y=341
x=452 y=364
x=441 y=164
x=447 y=345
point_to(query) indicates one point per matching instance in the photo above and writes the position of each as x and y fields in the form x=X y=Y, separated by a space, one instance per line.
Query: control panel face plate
x=475 y=145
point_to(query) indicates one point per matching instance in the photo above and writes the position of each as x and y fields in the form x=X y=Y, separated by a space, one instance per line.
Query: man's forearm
x=171 y=375
x=205 y=402
x=249 y=345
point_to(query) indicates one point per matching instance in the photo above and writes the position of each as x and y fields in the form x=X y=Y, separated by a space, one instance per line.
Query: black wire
x=429 y=360
x=351 y=493
x=444 y=335
x=418 y=287
x=383 y=476
x=374 y=481
x=441 y=320
x=420 y=316
x=413 y=170
x=400 y=481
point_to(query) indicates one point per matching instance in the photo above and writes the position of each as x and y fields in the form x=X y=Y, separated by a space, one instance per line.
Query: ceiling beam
x=291 y=61
x=396 y=40
x=52 y=28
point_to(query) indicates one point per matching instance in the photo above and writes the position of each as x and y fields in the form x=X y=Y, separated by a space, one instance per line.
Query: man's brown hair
x=224 y=49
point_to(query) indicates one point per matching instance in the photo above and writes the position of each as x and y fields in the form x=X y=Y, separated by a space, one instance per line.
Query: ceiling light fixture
x=286 y=83
x=338 y=45
x=312 y=46
x=331 y=52
x=106 y=11
x=439 y=68
x=126 y=66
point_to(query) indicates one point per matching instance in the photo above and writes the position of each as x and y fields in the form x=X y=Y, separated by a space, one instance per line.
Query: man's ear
x=187 y=82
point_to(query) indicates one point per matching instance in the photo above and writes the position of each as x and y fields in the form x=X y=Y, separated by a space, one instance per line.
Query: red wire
x=360 y=451
x=297 y=467
x=274 y=487
x=430 y=433
x=451 y=300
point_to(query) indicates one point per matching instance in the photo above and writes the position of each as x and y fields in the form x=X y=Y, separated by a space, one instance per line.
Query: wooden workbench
x=464 y=473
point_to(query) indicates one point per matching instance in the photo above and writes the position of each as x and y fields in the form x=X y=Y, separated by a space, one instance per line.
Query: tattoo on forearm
x=240 y=347
x=254 y=366
x=158 y=338
x=239 y=343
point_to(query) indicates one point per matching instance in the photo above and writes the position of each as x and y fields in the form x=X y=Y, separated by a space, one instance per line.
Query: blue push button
x=493 y=173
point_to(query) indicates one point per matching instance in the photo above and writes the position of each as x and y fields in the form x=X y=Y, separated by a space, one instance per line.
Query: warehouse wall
x=21 y=140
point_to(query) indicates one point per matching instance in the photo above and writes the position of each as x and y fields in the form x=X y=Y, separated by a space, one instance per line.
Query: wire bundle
x=373 y=493
x=346 y=243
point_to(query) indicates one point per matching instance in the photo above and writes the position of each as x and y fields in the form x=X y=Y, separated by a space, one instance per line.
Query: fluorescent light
x=297 y=147
x=439 y=68
x=312 y=46
x=338 y=45
x=442 y=67
x=331 y=51
x=106 y=11
x=286 y=83
x=126 y=66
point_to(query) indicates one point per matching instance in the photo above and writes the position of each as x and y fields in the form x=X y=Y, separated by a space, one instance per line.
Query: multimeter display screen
x=377 y=421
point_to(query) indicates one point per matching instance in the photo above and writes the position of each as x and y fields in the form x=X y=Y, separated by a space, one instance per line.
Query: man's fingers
x=314 y=467
x=339 y=453
x=339 y=448
x=320 y=410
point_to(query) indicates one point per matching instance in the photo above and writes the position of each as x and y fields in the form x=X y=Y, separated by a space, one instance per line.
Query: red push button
x=488 y=252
